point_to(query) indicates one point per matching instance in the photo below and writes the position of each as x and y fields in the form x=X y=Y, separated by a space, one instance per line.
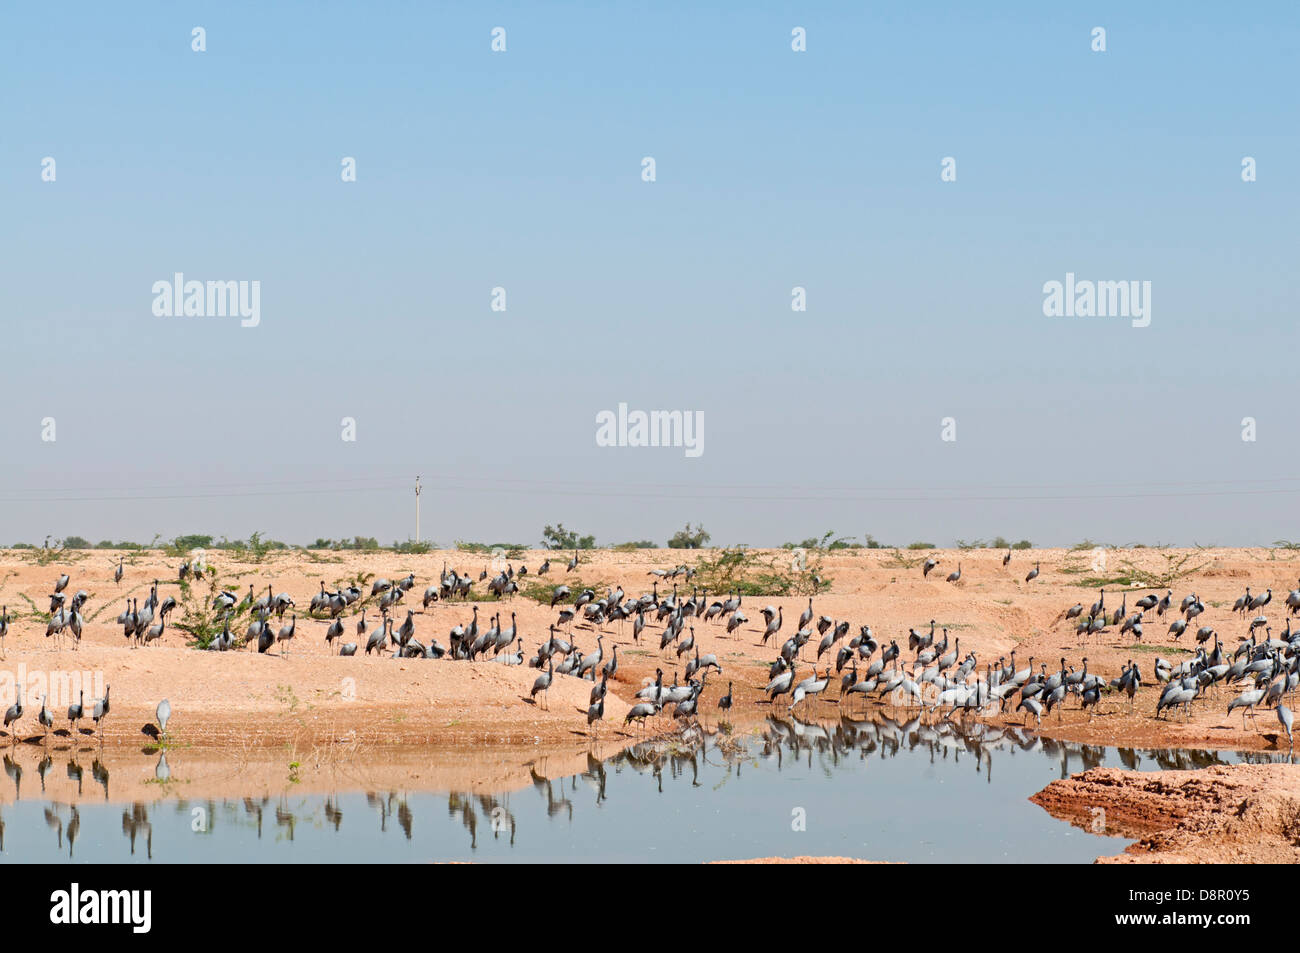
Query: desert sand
x=242 y=698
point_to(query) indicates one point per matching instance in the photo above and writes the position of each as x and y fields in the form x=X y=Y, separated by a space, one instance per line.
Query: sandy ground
x=799 y=860
x=1242 y=814
x=241 y=698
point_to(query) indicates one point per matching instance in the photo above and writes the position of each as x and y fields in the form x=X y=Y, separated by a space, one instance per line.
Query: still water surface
x=875 y=789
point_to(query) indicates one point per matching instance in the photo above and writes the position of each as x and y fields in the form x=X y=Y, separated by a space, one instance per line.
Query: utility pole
x=417 y=509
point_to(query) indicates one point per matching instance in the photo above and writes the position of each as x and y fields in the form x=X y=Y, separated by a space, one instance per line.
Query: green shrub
x=557 y=537
x=688 y=538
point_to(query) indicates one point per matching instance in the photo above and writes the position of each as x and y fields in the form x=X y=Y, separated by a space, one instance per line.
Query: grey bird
x=286 y=634
x=265 y=637
x=542 y=683
x=101 y=711
x=724 y=703
x=1247 y=702
x=335 y=631
x=640 y=712
x=780 y=685
x=14 y=713
x=1032 y=707
x=595 y=713
x=378 y=638
x=45 y=719
x=163 y=713
x=155 y=632
x=809 y=686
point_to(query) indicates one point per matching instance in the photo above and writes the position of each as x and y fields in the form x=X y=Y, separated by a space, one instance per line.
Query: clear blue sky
x=775 y=169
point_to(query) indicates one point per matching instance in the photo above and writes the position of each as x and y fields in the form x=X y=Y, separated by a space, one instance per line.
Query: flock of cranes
x=848 y=663
x=99 y=711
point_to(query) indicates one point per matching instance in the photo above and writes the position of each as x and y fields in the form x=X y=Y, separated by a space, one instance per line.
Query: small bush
x=184 y=544
x=513 y=550
x=746 y=572
x=557 y=537
x=688 y=538
x=411 y=547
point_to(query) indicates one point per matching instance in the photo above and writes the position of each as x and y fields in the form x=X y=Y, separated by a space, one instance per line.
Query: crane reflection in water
x=699 y=758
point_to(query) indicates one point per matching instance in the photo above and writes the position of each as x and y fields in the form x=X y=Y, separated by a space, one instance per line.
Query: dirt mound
x=1227 y=814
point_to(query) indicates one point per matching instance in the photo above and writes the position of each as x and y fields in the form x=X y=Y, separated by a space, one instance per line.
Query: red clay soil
x=1240 y=814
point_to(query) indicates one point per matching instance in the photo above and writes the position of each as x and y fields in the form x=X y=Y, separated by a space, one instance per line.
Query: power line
x=198 y=485
x=720 y=494
x=386 y=482
x=197 y=496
